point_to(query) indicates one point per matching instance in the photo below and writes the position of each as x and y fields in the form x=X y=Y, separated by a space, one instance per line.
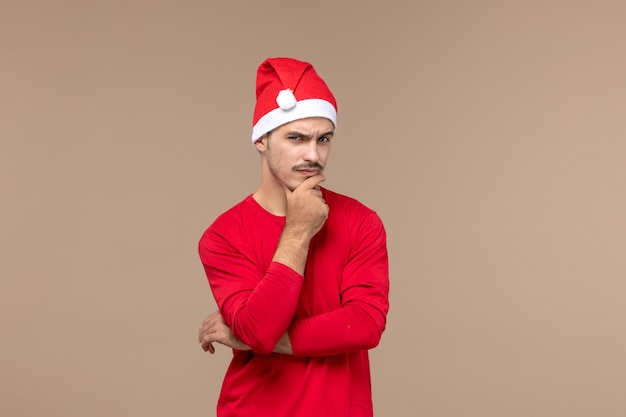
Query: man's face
x=297 y=150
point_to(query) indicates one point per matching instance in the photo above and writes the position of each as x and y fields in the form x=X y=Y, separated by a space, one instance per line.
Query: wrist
x=292 y=250
x=296 y=235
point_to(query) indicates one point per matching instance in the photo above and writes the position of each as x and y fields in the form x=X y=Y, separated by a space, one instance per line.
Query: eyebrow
x=305 y=135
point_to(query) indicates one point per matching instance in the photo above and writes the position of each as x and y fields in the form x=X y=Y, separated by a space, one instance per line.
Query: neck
x=271 y=193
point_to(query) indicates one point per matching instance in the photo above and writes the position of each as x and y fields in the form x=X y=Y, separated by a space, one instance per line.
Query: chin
x=293 y=185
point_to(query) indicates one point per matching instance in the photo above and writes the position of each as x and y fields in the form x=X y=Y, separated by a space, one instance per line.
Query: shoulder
x=351 y=219
x=350 y=211
x=346 y=204
x=233 y=214
x=245 y=220
x=224 y=232
x=229 y=219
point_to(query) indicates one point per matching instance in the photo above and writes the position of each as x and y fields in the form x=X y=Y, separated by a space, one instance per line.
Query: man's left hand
x=214 y=330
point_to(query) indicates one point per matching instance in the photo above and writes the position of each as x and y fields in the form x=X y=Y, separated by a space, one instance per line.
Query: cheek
x=323 y=155
x=284 y=160
x=279 y=165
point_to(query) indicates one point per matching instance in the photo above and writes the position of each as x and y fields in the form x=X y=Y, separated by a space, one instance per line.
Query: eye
x=294 y=137
x=324 y=139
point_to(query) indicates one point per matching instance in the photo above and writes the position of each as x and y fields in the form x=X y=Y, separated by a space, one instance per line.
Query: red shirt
x=333 y=314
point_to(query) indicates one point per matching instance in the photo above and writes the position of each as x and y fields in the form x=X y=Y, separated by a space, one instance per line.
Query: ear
x=261 y=144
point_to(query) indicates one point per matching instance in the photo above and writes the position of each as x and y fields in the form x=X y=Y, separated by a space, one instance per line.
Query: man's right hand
x=306 y=209
x=306 y=213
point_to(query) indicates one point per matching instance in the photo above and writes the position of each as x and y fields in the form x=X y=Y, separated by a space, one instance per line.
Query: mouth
x=308 y=172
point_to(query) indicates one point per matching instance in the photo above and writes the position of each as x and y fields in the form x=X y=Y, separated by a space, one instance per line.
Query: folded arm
x=360 y=321
x=259 y=306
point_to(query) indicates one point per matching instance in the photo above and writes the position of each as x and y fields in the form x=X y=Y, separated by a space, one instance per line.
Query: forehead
x=309 y=124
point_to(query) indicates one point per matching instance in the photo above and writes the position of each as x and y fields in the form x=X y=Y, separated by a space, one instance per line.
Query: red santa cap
x=288 y=90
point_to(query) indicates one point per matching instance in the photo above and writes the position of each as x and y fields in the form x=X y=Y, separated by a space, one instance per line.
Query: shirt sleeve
x=257 y=306
x=361 y=319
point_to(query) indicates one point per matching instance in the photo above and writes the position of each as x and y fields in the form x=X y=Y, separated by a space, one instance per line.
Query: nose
x=311 y=152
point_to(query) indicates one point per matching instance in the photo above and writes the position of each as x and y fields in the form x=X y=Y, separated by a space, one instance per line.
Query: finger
x=312 y=182
x=208 y=321
x=204 y=333
x=206 y=342
x=205 y=321
x=208 y=347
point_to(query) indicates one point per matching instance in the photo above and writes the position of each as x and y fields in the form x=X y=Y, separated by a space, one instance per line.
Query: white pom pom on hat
x=286 y=90
x=286 y=100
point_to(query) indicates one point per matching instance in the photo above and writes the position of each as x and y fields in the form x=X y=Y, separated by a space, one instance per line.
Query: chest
x=326 y=260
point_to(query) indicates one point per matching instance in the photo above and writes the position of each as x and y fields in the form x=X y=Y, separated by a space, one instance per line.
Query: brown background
x=489 y=136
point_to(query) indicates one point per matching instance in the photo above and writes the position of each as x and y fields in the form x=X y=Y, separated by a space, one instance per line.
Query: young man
x=299 y=273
